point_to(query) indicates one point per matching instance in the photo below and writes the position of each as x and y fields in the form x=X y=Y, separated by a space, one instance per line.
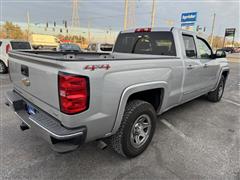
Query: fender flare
x=128 y=92
x=224 y=69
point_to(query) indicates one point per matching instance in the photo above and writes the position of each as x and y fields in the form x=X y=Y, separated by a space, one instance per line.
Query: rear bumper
x=45 y=125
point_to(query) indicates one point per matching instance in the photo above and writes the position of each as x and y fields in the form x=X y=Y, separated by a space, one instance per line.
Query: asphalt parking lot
x=198 y=140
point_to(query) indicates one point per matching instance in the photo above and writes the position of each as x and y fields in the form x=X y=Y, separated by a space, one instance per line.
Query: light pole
x=125 y=15
x=213 y=24
x=28 y=25
x=153 y=13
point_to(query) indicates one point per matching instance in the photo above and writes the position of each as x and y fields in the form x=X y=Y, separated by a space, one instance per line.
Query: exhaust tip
x=102 y=145
x=23 y=126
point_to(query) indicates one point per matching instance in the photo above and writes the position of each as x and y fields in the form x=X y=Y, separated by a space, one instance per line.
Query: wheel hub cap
x=140 y=131
x=220 y=90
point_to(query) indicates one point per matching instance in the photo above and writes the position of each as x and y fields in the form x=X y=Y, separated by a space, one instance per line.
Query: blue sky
x=109 y=14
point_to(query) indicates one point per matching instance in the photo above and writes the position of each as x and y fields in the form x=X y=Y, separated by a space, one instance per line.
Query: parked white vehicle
x=100 y=47
x=6 y=45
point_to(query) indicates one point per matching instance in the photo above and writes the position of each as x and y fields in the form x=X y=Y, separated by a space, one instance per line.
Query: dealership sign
x=189 y=17
x=230 y=32
x=188 y=20
x=188 y=26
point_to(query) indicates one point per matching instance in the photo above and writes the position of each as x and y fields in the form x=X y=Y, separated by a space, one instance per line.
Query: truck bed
x=85 y=56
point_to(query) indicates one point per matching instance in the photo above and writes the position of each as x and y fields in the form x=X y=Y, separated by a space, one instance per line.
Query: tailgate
x=36 y=77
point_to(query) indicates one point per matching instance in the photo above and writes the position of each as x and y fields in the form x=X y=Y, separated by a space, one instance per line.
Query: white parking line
x=175 y=130
x=231 y=102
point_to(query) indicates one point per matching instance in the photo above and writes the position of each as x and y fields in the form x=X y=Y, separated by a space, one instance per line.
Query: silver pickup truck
x=72 y=98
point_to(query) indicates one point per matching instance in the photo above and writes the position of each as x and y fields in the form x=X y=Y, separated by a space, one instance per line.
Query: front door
x=210 y=65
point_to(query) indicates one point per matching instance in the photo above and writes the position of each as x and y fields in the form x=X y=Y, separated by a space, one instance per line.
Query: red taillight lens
x=73 y=93
x=143 y=30
x=8 y=48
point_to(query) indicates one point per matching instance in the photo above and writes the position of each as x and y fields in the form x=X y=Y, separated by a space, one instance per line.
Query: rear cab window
x=155 y=43
x=20 y=45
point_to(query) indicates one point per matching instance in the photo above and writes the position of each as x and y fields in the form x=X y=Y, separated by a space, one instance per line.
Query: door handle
x=205 y=66
x=24 y=70
x=190 y=67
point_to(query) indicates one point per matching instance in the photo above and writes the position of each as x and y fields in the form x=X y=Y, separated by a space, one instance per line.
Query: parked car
x=43 y=41
x=100 y=47
x=69 y=47
x=236 y=49
x=6 y=45
x=114 y=97
x=228 y=49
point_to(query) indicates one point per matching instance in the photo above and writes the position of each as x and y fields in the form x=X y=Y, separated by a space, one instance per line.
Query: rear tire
x=217 y=94
x=3 y=68
x=136 y=130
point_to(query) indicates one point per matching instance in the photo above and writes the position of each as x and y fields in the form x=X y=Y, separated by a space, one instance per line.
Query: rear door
x=210 y=65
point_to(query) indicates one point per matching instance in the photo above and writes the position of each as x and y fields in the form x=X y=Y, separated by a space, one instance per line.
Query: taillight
x=73 y=93
x=143 y=30
x=8 y=48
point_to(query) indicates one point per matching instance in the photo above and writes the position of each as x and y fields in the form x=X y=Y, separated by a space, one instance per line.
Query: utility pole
x=89 y=29
x=213 y=24
x=153 y=13
x=125 y=15
x=28 y=25
x=131 y=14
x=75 y=16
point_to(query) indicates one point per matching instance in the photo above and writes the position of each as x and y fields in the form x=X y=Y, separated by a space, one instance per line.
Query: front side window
x=190 y=47
x=204 y=49
x=0 y=43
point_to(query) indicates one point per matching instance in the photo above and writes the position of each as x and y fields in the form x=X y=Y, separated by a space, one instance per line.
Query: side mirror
x=220 y=54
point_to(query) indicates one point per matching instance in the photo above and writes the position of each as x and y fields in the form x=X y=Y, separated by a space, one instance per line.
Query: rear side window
x=20 y=45
x=190 y=46
x=156 y=43
x=0 y=43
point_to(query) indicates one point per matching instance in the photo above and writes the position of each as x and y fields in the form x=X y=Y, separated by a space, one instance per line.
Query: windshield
x=106 y=47
x=156 y=43
x=20 y=45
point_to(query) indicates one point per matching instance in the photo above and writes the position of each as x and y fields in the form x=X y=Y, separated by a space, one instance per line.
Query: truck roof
x=157 y=29
x=152 y=29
